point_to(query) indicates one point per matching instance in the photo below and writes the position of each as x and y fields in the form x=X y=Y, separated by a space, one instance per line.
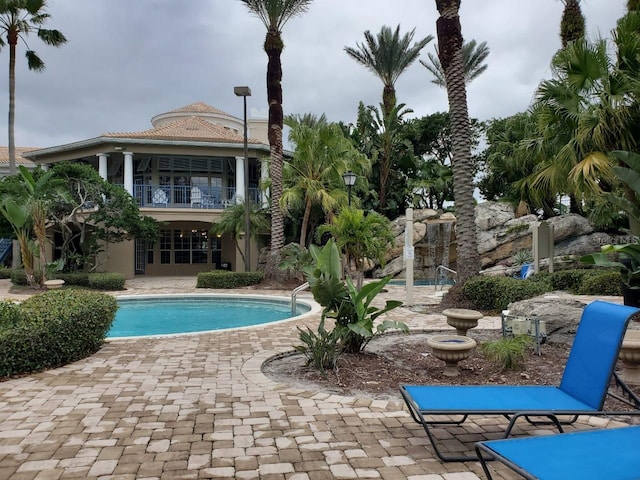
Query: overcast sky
x=128 y=60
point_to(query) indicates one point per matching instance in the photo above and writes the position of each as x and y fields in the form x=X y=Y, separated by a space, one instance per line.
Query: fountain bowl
x=451 y=349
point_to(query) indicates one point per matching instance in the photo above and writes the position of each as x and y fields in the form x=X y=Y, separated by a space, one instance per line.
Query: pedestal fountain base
x=462 y=319
x=630 y=356
x=451 y=349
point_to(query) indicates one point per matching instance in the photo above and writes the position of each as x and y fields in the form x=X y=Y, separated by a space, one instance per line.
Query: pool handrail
x=439 y=273
x=294 y=294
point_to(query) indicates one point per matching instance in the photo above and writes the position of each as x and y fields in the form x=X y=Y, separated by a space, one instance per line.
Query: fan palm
x=473 y=57
x=388 y=55
x=274 y=14
x=19 y=18
x=450 y=55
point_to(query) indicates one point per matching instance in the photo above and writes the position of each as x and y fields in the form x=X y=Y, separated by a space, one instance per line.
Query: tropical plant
x=387 y=55
x=313 y=176
x=18 y=215
x=629 y=266
x=322 y=350
x=473 y=57
x=19 y=18
x=628 y=171
x=392 y=148
x=89 y=214
x=232 y=222
x=359 y=237
x=274 y=14
x=508 y=353
x=349 y=306
x=295 y=258
x=450 y=56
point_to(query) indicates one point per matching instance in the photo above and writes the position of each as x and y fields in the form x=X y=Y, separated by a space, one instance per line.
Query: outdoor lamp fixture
x=349 y=180
x=245 y=92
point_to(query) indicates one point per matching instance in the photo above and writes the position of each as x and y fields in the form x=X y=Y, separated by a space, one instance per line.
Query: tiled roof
x=199 y=107
x=20 y=160
x=190 y=128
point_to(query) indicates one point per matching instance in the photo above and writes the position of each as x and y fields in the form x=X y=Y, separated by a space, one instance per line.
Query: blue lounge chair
x=582 y=391
x=588 y=455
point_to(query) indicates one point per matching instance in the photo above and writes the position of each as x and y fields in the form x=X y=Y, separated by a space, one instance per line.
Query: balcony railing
x=167 y=196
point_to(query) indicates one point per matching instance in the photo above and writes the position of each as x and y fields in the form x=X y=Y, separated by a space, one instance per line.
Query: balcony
x=168 y=196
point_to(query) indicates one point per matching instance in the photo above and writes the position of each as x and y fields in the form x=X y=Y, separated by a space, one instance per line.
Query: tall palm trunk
x=450 y=55
x=273 y=47
x=12 y=39
x=305 y=223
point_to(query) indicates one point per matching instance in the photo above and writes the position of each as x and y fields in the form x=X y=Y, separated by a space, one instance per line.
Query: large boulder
x=560 y=311
x=493 y=214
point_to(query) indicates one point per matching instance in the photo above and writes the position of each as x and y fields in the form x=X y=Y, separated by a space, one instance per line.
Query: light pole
x=245 y=92
x=349 y=180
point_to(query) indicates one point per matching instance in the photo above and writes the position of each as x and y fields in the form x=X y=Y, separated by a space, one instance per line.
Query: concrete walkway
x=198 y=406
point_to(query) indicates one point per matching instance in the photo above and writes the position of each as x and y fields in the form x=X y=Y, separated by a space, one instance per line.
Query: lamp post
x=349 y=180
x=245 y=92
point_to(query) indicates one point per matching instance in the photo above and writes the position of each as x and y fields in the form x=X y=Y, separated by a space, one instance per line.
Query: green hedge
x=224 y=279
x=81 y=279
x=5 y=272
x=18 y=277
x=601 y=283
x=107 y=281
x=496 y=293
x=52 y=329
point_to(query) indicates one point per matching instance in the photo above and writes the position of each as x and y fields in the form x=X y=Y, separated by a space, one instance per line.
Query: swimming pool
x=420 y=283
x=154 y=315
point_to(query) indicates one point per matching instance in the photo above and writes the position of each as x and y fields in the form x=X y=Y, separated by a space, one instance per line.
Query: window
x=190 y=246
x=165 y=247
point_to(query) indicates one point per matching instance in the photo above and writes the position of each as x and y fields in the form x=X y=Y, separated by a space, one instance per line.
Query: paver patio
x=198 y=406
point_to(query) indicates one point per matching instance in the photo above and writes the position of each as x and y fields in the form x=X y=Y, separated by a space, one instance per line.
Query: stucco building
x=183 y=172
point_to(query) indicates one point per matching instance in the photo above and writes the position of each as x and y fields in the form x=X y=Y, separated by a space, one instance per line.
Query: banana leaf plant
x=349 y=307
x=629 y=264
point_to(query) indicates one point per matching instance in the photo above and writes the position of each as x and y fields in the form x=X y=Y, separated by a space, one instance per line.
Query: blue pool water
x=421 y=283
x=144 y=316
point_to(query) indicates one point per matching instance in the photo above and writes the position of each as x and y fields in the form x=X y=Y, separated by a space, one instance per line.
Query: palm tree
x=473 y=57
x=583 y=113
x=572 y=23
x=388 y=55
x=274 y=14
x=360 y=237
x=232 y=221
x=450 y=55
x=19 y=18
x=314 y=174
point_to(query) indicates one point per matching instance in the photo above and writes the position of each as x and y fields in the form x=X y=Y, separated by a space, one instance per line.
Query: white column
x=239 y=179
x=264 y=174
x=128 y=172
x=102 y=165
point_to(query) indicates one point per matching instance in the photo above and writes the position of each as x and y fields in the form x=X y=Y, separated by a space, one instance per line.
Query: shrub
x=522 y=257
x=601 y=283
x=53 y=329
x=5 y=272
x=496 y=293
x=9 y=314
x=322 y=350
x=224 y=279
x=80 y=279
x=508 y=353
x=18 y=277
x=568 y=280
x=107 y=281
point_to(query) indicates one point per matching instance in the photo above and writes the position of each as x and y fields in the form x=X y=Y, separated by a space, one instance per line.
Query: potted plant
x=628 y=264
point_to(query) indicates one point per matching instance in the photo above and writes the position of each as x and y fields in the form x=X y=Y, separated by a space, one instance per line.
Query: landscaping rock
x=560 y=311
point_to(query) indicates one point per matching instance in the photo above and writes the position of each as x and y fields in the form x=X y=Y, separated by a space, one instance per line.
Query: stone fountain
x=451 y=349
